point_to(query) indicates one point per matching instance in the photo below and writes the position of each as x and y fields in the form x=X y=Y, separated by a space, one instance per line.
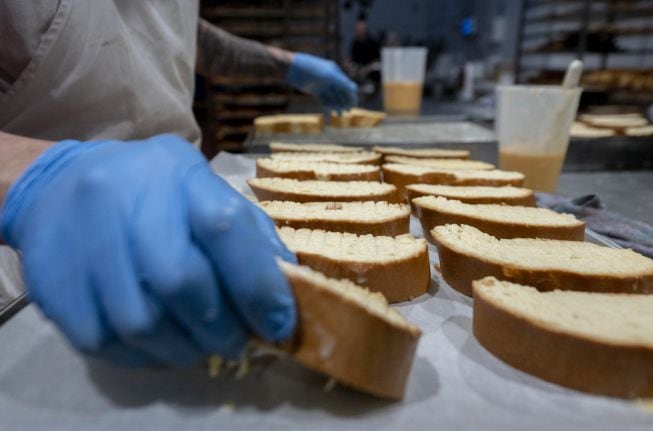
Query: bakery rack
x=226 y=106
x=614 y=38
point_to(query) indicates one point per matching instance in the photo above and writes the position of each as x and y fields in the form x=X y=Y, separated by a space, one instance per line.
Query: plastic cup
x=402 y=71
x=532 y=127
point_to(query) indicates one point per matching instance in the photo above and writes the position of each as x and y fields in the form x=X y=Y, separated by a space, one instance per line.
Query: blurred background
x=472 y=46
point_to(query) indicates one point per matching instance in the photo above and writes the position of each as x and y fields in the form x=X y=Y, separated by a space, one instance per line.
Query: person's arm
x=16 y=154
x=222 y=53
x=140 y=253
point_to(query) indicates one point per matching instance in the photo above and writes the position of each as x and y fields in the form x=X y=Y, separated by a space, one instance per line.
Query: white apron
x=104 y=69
x=119 y=69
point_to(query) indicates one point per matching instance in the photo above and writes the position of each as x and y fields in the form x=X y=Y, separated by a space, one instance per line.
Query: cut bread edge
x=265 y=192
x=340 y=334
x=568 y=359
x=522 y=196
x=392 y=225
x=431 y=215
x=398 y=278
x=323 y=171
x=460 y=269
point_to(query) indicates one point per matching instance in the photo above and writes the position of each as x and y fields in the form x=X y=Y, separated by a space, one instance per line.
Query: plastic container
x=532 y=127
x=402 y=71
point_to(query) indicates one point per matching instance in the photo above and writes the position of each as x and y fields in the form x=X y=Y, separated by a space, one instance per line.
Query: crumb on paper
x=243 y=368
x=215 y=364
x=329 y=385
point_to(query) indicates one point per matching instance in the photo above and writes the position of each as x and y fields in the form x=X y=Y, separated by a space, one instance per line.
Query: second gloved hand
x=323 y=79
x=140 y=254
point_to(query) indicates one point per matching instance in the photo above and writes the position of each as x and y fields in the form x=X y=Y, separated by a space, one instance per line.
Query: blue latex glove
x=140 y=254
x=324 y=80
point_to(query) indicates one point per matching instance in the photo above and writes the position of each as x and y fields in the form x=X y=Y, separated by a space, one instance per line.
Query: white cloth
x=95 y=69
x=118 y=69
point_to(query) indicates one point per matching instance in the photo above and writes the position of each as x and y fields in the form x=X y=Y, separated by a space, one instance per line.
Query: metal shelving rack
x=230 y=103
x=613 y=37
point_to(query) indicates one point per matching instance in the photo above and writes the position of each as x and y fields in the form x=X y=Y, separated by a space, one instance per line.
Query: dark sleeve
x=222 y=53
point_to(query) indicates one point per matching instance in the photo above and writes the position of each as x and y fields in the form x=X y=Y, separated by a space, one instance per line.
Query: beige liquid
x=402 y=97
x=541 y=171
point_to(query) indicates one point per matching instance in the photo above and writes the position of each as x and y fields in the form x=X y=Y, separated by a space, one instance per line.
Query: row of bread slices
x=314 y=123
x=519 y=324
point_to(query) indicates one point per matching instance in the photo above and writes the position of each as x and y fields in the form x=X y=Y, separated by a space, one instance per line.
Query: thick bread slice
x=284 y=189
x=423 y=153
x=267 y=167
x=615 y=121
x=639 y=131
x=396 y=267
x=600 y=343
x=467 y=254
x=289 y=123
x=355 y=158
x=501 y=221
x=357 y=117
x=283 y=147
x=455 y=164
x=507 y=195
x=404 y=175
x=581 y=130
x=374 y=218
x=351 y=334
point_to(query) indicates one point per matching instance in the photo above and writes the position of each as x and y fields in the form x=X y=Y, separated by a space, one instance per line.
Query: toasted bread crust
x=398 y=281
x=282 y=147
x=289 y=123
x=566 y=359
x=338 y=337
x=460 y=270
x=401 y=180
x=392 y=227
x=264 y=194
x=526 y=201
x=305 y=174
x=365 y=157
x=447 y=154
x=430 y=218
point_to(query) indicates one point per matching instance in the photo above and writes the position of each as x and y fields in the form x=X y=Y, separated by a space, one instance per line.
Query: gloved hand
x=140 y=254
x=323 y=79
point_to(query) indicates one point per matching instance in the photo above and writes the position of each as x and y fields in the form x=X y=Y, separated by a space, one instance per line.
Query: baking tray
x=455 y=383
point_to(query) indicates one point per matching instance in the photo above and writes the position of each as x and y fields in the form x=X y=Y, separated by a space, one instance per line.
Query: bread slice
x=501 y=221
x=374 y=218
x=396 y=267
x=456 y=164
x=283 y=147
x=581 y=130
x=614 y=121
x=354 y=158
x=601 y=343
x=350 y=334
x=289 y=123
x=285 y=189
x=639 y=131
x=423 y=153
x=357 y=117
x=404 y=175
x=507 y=195
x=267 y=167
x=467 y=254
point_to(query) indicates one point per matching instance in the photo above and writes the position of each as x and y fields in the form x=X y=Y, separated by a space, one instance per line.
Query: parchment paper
x=455 y=383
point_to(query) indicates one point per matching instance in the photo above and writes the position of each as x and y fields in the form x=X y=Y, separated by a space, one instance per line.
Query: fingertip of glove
x=280 y=323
